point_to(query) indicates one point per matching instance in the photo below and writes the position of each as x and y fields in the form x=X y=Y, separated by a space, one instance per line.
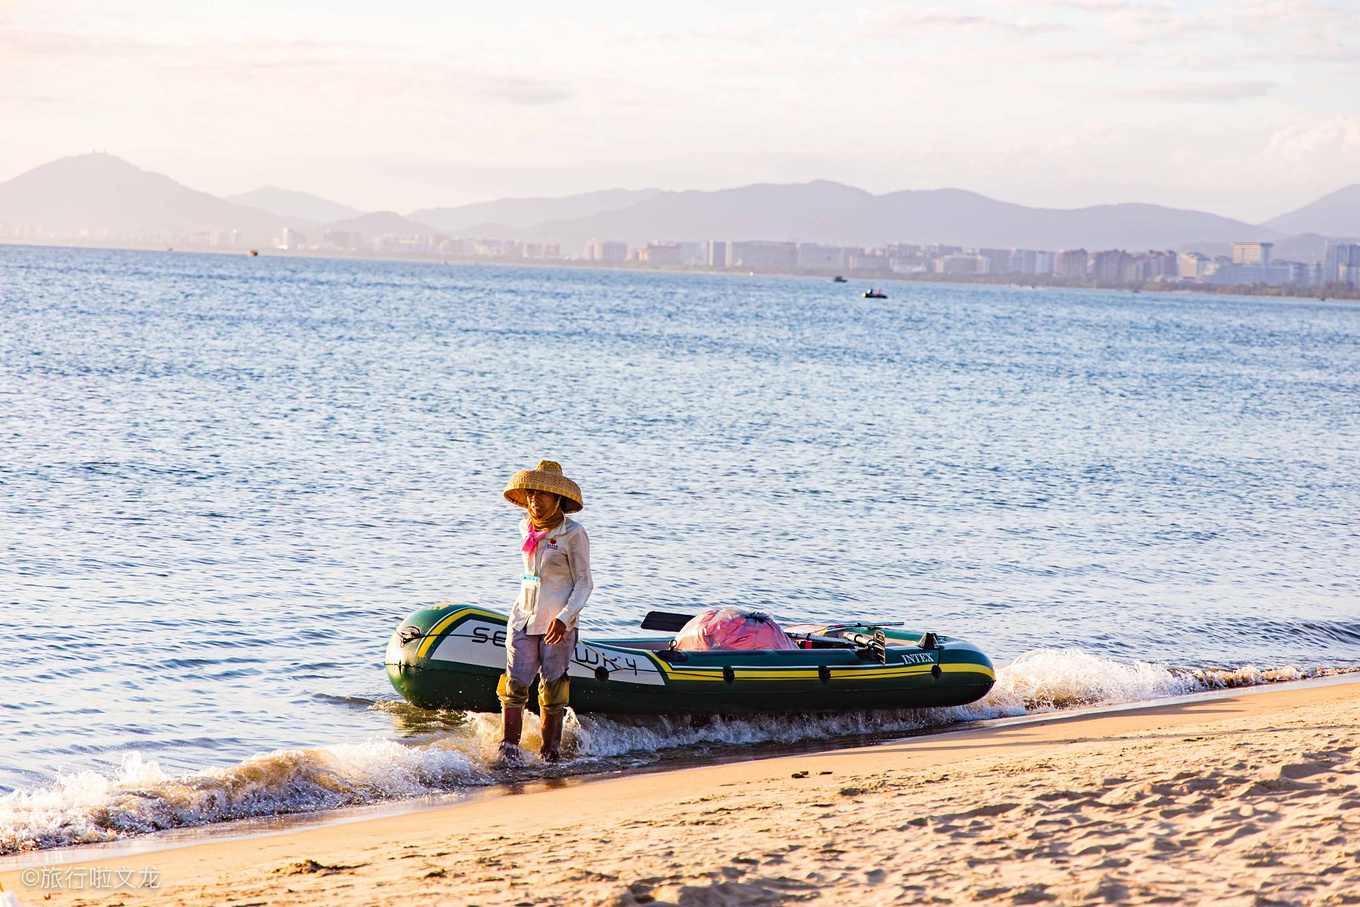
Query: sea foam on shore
x=87 y=807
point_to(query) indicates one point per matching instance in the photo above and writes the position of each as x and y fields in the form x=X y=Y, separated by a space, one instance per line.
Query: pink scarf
x=534 y=537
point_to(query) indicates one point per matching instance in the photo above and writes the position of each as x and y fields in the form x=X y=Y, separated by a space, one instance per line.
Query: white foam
x=457 y=752
x=86 y=807
x=1048 y=679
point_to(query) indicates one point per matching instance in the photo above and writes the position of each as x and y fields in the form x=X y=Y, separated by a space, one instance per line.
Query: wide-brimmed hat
x=546 y=476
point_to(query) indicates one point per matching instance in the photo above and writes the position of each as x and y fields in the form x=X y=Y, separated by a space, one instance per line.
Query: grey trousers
x=527 y=656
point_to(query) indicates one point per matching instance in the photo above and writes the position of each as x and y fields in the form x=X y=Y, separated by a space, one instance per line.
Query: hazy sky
x=1243 y=107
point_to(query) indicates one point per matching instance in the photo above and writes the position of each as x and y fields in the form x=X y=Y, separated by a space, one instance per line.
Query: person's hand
x=556 y=631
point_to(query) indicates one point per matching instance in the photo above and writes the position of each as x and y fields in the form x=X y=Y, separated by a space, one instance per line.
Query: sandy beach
x=1251 y=798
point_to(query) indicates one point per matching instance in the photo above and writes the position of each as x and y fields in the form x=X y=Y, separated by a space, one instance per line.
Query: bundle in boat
x=734 y=629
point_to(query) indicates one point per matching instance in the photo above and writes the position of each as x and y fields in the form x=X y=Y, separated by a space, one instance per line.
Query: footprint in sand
x=1296 y=770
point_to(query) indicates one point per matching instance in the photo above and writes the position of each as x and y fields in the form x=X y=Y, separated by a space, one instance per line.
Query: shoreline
x=287 y=823
x=730 y=805
x=1313 y=294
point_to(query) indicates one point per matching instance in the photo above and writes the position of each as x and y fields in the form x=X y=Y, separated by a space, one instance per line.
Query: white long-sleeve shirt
x=556 y=580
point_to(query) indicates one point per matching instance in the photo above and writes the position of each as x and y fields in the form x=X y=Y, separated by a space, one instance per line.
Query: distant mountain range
x=1337 y=214
x=290 y=205
x=524 y=213
x=379 y=223
x=829 y=212
x=100 y=196
x=105 y=196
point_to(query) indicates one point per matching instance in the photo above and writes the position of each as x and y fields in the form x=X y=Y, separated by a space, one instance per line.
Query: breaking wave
x=443 y=752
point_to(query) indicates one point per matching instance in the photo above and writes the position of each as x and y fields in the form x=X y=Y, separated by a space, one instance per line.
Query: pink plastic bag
x=731 y=628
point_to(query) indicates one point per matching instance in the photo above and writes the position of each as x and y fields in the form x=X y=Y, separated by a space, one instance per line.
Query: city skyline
x=100 y=200
x=106 y=199
x=1058 y=102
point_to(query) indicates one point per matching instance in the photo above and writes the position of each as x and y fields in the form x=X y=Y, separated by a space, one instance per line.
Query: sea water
x=224 y=481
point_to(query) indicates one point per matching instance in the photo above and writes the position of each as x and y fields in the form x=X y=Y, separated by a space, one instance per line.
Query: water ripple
x=226 y=480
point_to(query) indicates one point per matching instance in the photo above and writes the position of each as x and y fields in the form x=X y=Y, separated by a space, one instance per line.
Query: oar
x=876 y=645
x=665 y=620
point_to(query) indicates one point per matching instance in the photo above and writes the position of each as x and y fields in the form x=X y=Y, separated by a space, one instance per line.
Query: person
x=554 y=586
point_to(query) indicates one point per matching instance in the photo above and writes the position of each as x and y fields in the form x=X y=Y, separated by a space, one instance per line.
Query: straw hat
x=547 y=476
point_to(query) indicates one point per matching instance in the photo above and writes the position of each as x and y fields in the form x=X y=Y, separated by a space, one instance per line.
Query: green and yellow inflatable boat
x=450 y=656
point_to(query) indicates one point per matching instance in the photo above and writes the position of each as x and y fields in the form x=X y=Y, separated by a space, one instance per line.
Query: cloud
x=900 y=20
x=1144 y=24
x=1085 y=6
x=36 y=43
x=1085 y=55
x=32 y=99
x=1312 y=15
x=1197 y=92
x=529 y=92
x=327 y=62
x=1335 y=141
x=1224 y=34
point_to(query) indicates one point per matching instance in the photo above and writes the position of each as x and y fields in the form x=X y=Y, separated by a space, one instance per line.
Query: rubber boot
x=552 y=736
x=512 y=722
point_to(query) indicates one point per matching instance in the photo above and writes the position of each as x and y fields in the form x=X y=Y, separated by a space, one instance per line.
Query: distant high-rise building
x=909 y=264
x=1108 y=264
x=767 y=256
x=867 y=262
x=1031 y=262
x=1153 y=265
x=291 y=239
x=1191 y=265
x=692 y=253
x=962 y=264
x=606 y=250
x=999 y=261
x=1300 y=272
x=1252 y=253
x=815 y=257
x=1070 y=264
x=1226 y=273
x=716 y=254
x=1341 y=263
x=662 y=254
x=542 y=250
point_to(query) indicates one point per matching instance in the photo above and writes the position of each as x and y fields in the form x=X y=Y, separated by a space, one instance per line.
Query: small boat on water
x=450 y=657
x=875 y=294
x=839 y=279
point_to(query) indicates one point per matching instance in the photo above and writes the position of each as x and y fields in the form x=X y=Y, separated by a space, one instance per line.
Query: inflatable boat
x=450 y=656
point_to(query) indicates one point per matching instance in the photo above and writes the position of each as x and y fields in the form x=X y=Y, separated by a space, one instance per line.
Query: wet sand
x=1251 y=799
